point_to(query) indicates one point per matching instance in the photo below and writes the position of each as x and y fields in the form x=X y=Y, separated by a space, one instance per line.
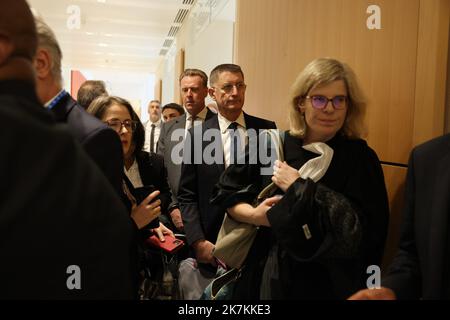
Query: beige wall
x=402 y=68
x=395 y=183
x=158 y=89
x=276 y=39
x=431 y=76
x=447 y=108
x=179 y=68
x=202 y=50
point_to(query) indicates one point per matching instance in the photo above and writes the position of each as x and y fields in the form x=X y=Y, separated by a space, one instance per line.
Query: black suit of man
x=100 y=142
x=56 y=210
x=201 y=219
x=421 y=267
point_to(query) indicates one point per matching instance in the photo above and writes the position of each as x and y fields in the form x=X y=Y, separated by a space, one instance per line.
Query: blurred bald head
x=17 y=31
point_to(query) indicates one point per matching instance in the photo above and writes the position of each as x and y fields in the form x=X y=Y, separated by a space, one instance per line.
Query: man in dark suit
x=421 y=267
x=194 y=89
x=100 y=142
x=64 y=234
x=202 y=220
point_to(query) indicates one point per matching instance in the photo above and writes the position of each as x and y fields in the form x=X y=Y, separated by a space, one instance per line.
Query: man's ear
x=42 y=63
x=211 y=92
x=6 y=48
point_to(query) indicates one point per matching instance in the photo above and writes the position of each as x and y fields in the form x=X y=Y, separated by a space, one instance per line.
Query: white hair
x=47 y=40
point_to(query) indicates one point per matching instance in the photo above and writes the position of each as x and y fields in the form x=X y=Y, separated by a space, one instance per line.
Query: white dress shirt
x=199 y=118
x=148 y=131
x=224 y=123
x=134 y=175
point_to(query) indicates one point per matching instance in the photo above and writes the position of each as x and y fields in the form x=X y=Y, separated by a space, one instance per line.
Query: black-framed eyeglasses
x=228 y=88
x=117 y=125
x=320 y=102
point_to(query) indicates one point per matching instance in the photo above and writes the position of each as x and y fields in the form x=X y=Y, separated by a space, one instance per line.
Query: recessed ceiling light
x=90 y=33
x=102 y=45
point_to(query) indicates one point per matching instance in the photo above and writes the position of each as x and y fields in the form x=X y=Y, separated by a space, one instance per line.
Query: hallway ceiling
x=113 y=34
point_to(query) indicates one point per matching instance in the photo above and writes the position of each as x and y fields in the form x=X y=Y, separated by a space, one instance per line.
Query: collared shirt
x=199 y=118
x=148 y=131
x=224 y=123
x=53 y=101
x=134 y=175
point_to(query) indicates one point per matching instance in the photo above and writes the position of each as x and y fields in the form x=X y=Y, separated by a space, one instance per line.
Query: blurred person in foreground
x=420 y=268
x=64 y=234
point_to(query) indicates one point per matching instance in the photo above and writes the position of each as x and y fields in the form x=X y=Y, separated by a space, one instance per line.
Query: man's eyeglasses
x=117 y=125
x=228 y=88
x=320 y=102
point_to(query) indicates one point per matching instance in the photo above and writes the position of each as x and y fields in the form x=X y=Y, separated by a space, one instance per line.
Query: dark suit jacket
x=56 y=210
x=100 y=142
x=202 y=220
x=153 y=172
x=420 y=268
x=165 y=147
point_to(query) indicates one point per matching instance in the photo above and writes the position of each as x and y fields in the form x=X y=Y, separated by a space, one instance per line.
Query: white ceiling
x=113 y=34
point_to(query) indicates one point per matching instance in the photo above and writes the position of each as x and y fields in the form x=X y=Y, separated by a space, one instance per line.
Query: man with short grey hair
x=202 y=220
x=153 y=126
x=100 y=142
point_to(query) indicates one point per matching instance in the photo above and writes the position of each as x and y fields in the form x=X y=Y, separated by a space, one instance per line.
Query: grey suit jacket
x=170 y=141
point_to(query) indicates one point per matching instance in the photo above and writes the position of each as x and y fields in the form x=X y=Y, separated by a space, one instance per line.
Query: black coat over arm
x=346 y=213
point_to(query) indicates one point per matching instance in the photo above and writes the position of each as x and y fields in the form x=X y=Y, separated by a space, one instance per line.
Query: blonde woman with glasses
x=328 y=223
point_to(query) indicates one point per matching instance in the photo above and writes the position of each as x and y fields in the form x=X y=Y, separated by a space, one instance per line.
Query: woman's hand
x=161 y=231
x=284 y=175
x=146 y=212
x=259 y=214
x=244 y=212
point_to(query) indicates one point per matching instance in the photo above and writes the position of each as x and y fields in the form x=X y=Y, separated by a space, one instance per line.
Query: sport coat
x=420 y=268
x=166 y=146
x=202 y=220
x=99 y=141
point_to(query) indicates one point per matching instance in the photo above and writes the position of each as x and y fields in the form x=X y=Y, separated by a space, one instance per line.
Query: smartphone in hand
x=140 y=194
x=170 y=245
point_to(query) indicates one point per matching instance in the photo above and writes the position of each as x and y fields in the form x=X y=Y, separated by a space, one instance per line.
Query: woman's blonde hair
x=321 y=72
